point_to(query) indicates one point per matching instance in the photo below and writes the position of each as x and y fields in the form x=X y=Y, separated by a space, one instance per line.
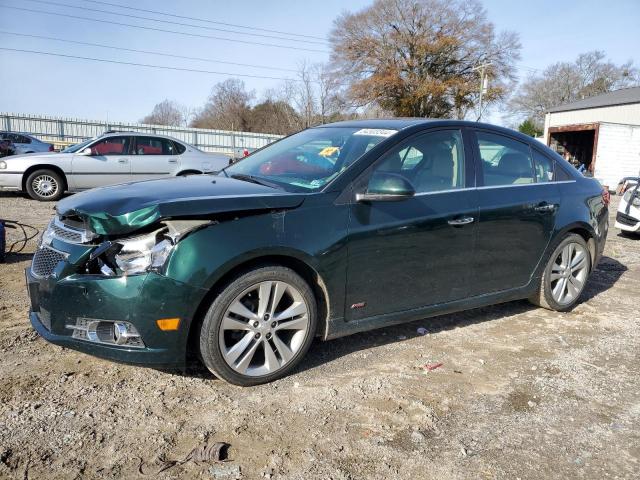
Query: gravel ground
x=522 y=393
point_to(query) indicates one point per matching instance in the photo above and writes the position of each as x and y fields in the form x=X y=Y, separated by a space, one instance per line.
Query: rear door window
x=154 y=146
x=505 y=161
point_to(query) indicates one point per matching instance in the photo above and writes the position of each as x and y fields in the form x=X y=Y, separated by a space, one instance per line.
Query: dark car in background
x=331 y=231
x=24 y=143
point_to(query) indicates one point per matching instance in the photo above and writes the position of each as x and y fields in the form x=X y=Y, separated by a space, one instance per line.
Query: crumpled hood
x=120 y=209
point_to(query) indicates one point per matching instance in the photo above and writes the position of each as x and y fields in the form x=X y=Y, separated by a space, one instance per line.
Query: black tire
x=46 y=177
x=544 y=295
x=210 y=349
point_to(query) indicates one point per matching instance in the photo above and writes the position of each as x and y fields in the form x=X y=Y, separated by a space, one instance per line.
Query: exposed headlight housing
x=144 y=253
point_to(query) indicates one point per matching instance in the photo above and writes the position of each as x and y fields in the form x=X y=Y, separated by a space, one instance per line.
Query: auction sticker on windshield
x=375 y=132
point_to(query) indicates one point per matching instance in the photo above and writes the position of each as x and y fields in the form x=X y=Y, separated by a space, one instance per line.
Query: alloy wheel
x=569 y=273
x=264 y=328
x=45 y=186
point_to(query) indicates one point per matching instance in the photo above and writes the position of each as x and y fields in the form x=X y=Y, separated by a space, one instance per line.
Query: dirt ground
x=522 y=393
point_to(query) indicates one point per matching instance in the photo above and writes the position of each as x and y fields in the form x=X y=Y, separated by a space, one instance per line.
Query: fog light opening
x=125 y=333
x=107 y=332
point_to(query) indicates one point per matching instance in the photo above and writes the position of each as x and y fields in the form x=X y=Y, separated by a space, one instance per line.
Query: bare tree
x=564 y=82
x=420 y=57
x=302 y=94
x=329 y=99
x=227 y=107
x=166 y=112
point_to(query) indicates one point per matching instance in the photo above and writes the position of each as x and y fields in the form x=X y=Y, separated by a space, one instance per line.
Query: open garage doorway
x=577 y=144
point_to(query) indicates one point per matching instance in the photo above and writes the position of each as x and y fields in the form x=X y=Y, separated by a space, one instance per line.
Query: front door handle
x=545 y=207
x=457 y=222
x=123 y=160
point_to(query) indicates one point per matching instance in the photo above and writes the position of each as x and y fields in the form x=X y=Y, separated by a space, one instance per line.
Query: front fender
x=204 y=257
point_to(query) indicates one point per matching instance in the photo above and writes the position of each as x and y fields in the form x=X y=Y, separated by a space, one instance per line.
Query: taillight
x=606 y=196
x=51 y=148
x=245 y=153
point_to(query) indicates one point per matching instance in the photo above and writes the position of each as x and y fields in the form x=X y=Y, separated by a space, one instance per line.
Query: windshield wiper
x=253 y=179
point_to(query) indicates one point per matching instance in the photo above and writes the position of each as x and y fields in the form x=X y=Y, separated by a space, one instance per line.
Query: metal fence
x=65 y=131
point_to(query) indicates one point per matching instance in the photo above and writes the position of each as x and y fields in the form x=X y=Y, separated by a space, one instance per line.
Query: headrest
x=516 y=164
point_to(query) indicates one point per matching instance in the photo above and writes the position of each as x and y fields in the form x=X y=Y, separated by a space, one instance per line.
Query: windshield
x=78 y=146
x=309 y=159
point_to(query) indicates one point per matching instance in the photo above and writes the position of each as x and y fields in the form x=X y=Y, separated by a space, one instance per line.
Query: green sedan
x=405 y=219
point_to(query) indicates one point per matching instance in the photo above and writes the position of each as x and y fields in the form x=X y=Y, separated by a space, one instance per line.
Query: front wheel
x=45 y=185
x=259 y=328
x=565 y=275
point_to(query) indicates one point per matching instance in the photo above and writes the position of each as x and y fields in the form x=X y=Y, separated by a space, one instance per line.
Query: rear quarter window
x=560 y=174
x=179 y=148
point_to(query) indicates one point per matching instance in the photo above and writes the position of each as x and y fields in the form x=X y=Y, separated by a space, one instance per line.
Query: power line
x=138 y=17
x=113 y=47
x=203 y=20
x=148 y=65
x=198 y=35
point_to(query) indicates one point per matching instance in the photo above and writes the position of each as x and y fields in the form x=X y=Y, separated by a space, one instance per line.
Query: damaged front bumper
x=62 y=306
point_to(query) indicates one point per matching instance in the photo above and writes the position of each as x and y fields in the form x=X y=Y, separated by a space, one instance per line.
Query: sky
x=550 y=31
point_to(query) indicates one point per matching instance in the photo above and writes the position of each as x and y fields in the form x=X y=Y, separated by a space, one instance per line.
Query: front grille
x=70 y=233
x=45 y=261
x=625 y=219
x=66 y=234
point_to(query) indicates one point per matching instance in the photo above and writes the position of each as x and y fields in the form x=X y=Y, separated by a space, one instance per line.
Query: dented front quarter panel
x=315 y=235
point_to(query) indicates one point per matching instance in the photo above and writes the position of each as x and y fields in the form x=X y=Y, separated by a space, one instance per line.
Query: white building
x=601 y=132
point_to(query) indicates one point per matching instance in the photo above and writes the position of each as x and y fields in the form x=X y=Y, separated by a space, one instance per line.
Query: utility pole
x=484 y=85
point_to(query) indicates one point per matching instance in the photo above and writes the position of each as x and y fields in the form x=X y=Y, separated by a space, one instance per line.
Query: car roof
x=403 y=123
x=138 y=134
x=394 y=123
x=21 y=133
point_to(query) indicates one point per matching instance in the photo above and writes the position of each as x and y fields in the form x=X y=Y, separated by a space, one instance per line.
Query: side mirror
x=386 y=187
x=85 y=151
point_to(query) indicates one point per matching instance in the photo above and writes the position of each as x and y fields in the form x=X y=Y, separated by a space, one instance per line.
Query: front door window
x=111 y=146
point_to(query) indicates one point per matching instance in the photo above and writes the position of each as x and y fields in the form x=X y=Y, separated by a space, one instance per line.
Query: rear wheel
x=260 y=326
x=565 y=275
x=45 y=185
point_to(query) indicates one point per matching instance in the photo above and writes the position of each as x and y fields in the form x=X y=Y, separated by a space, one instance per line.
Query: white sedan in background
x=628 y=216
x=115 y=157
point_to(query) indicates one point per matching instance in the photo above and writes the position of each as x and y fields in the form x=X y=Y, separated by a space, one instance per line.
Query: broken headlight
x=142 y=254
x=632 y=196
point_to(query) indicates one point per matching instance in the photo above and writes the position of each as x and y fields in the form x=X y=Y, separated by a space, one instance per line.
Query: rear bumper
x=139 y=300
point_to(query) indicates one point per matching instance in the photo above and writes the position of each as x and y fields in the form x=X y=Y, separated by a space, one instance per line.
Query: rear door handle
x=123 y=160
x=173 y=160
x=457 y=222
x=545 y=207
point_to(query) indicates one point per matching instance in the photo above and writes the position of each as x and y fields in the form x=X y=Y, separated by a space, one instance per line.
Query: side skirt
x=340 y=328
